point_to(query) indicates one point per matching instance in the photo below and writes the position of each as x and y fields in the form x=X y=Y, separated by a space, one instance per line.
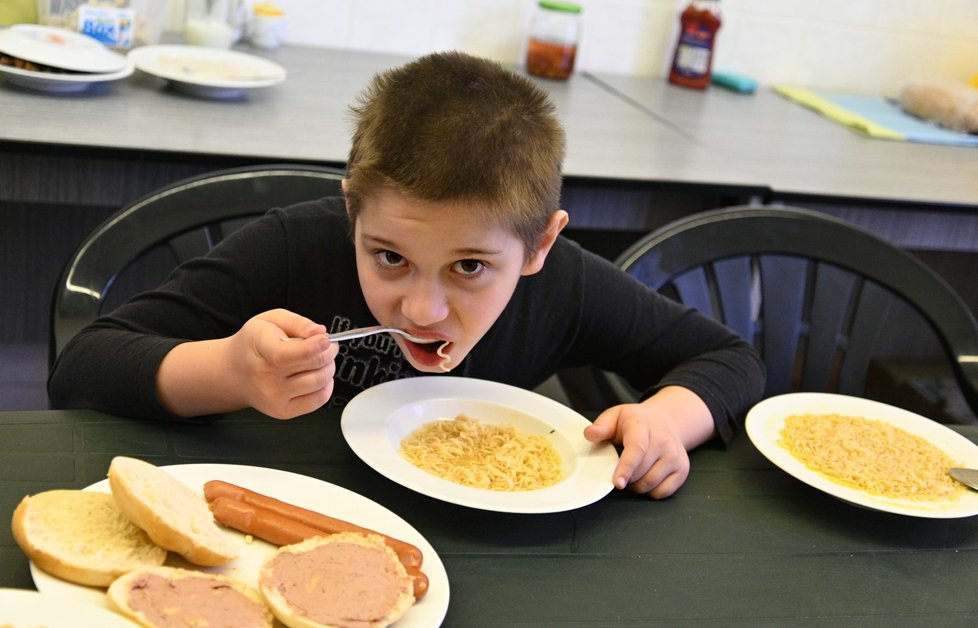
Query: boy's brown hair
x=453 y=127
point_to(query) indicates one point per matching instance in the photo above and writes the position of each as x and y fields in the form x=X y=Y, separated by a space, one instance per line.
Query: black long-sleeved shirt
x=578 y=310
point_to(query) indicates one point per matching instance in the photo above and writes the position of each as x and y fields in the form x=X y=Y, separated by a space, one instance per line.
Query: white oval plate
x=61 y=83
x=20 y=607
x=300 y=490
x=376 y=421
x=766 y=420
x=208 y=72
x=60 y=48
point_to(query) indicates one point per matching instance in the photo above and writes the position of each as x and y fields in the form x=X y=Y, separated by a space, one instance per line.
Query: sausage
x=420 y=582
x=409 y=554
x=259 y=522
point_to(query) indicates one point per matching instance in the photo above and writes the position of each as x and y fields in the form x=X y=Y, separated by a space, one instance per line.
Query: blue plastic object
x=740 y=83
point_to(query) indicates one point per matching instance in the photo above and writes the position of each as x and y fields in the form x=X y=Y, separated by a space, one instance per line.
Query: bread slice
x=346 y=578
x=174 y=516
x=82 y=537
x=169 y=596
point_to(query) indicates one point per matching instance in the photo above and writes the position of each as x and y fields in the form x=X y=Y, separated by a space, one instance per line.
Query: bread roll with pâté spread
x=159 y=597
x=342 y=579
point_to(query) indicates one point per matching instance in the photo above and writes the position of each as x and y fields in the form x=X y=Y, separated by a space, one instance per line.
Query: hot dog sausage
x=274 y=528
x=409 y=554
x=420 y=582
x=264 y=524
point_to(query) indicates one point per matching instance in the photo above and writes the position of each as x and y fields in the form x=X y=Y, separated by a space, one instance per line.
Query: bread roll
x=82 y=537
x=156 y=597
x=345 y=579
x=174 y=516
x=947 y=104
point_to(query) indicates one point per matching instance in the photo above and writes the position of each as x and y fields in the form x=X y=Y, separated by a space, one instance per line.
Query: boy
x=449 y=213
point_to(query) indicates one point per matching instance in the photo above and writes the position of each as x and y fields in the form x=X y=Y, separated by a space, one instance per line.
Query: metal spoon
x=360 y=332
x=968 y=477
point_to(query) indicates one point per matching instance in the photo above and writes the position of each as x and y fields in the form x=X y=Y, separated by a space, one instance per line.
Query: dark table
x=742 y=543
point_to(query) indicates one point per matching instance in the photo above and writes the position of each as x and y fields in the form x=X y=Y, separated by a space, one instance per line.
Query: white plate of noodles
x=866 y=453
x=538 y=460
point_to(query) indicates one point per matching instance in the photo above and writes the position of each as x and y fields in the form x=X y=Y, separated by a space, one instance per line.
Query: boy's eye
x=469 y=266
x=389 y=258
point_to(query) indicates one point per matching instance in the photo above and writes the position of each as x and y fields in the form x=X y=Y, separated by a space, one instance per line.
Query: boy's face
x=438 y=270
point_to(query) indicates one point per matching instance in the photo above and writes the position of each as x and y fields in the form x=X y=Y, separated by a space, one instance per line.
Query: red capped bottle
x=692 y=61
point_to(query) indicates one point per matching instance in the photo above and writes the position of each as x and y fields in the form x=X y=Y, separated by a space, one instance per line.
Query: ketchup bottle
x=692 y=61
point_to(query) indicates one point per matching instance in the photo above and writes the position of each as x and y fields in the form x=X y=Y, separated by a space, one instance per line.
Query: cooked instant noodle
x=871 y=455
x=495 y=457
x=445 y=358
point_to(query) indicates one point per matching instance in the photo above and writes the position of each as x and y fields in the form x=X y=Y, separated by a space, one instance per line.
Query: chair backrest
x=820 y=298
x=189 y=217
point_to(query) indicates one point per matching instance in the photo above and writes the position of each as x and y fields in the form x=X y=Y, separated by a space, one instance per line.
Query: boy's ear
x=558 y=220
x=343 y=186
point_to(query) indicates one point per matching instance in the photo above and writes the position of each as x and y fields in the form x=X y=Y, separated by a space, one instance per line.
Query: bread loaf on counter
x=950 y=105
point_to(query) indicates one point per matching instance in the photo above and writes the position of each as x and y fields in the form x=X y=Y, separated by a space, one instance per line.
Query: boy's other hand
x=655 y=436
x=283 y=379
x=653 y=459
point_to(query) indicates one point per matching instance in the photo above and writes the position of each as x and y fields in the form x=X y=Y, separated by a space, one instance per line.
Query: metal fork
x=360 y=332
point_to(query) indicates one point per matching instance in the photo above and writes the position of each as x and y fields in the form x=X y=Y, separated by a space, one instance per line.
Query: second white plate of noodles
x=766 y=420
x=376 y=421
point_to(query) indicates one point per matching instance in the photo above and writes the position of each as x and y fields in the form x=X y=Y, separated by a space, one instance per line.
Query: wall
x=862 y=46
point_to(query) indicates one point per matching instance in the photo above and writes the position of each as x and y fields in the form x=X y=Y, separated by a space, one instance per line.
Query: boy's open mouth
x=428 y=347
x=430 y=354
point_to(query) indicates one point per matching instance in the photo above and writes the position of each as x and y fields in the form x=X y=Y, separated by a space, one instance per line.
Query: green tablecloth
x=742 y=543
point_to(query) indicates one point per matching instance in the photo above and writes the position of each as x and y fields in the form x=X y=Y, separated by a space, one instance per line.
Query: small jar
x=553 y=39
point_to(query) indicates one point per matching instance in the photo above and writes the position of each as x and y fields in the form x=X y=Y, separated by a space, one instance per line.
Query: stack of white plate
x=67 y=61
x=207 y=72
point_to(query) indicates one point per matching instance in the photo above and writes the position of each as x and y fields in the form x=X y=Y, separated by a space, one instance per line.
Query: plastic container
x=214 y=23
x=120 y=24
x=554 y=34
x=692 y=60
x=267 y=26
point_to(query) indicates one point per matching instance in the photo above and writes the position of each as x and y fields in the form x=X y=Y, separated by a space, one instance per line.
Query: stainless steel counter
x=305 y=119
x=793 y=150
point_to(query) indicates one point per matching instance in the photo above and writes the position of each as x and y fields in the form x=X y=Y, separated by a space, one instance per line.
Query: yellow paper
x=839 y=114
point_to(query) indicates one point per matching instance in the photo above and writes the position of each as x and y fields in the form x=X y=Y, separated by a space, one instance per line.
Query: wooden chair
x=820 y=298
x=169 y=226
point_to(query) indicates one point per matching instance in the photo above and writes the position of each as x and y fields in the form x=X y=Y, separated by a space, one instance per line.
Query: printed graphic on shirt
x=365 y=362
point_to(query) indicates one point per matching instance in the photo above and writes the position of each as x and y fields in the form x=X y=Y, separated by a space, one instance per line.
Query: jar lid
x=565 y=7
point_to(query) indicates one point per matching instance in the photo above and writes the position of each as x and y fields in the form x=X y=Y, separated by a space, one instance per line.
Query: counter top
x=794 y=150
x=620 y=128
x=306 y=118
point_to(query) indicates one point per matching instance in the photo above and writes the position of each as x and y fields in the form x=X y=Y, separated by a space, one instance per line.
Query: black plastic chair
x=820 y=298
x=167 y=227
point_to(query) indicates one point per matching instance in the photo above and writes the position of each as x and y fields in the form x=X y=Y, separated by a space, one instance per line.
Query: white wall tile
x=325 y=23
x=766 y=48
x=489 y=28
x=393 y=26
x=866 y=46
x=628 y=36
